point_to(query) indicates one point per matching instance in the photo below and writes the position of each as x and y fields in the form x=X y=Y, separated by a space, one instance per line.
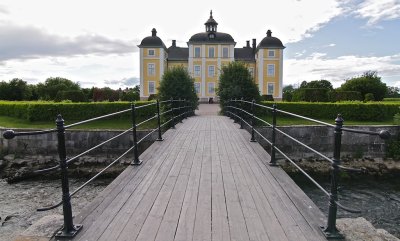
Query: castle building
x=204 y=57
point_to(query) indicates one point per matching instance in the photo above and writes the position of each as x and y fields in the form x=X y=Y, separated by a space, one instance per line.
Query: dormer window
x=211 y=36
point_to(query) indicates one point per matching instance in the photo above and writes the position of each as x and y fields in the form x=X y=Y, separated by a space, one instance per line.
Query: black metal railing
x=172 y=110
x=243 y=112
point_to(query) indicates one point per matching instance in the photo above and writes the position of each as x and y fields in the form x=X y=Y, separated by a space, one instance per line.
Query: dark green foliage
x=131 y=94
x=267 y=98
x=15 y=89
x=311 y=95
x=50 y=88
x=393 y=147
x=317 y=84
x=105 y=94
x=44 y=111
x=288 y=93
x=235 y=81
x=369 y=97
x=393 y=92
x=176 y=83
x=339 y=95
x=357 y=111
x=369 y=82
x=72 y=95
x=152 y=97
x=391 y=99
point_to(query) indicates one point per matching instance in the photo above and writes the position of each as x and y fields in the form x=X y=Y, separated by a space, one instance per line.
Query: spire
x=211 y=24
x=153 y=32
x=269 y=33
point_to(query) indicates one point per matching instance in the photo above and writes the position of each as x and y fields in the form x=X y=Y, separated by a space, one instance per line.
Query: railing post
x=253 y=139
x=173 y=113
x=331 y=231
x=69 y=230
x=159 y=122
x=234 y=110
x=136 y=160
x=273 y=159
x=180 y=111
x=241 y=112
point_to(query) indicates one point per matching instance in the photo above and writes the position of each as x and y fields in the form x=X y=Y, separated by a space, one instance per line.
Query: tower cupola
x=211 y=24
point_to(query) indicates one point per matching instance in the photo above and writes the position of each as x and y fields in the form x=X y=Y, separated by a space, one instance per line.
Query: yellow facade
x=204 y=57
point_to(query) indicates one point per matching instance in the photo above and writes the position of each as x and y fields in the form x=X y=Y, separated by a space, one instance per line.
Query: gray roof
x=244 y=54
x=270 y=42
x=219 y=38
x=152 y=41
x=177 y=53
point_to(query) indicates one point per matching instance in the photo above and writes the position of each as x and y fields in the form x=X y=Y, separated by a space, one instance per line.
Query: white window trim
x=209 y=71
x=148 y=87
x=227 y=48
x=208 y=88
x=271 y=56
x=194 y=52
x=268 y=74
x=273 y=88
x=194 y=71
x=148 y=52
x=199 y=85
x=148 y=69
x=209 y=48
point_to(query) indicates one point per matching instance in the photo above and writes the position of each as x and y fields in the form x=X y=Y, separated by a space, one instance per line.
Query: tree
x=393 y=92
x=177 y=83
x=235 y=81
x=288 y=92
x=369 y=82
x=317 y=84
x=15 y=89
x=50 y=88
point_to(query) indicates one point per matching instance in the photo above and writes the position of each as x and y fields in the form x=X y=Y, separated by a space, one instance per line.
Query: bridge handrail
x=237 y=112
x=184 y=110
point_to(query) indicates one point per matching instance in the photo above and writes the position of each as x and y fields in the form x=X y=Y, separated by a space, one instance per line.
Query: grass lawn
x=110 y=124
x=125 y=123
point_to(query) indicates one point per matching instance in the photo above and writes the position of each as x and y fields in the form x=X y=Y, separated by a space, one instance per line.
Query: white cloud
x=27 y=42
x=376 y=11
x=318 y=66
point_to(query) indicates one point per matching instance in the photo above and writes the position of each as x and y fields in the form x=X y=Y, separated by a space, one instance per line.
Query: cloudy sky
x=94 y=42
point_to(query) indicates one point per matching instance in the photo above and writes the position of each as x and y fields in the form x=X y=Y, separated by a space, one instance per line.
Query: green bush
x=45 y=111
x=391 y=99
x=357 y=111
x=311 y=95
x=369 y=97
x=72 y=95
x=338 y=95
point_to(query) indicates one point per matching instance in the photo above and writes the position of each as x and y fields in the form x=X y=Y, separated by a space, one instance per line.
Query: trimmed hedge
x=356 y=111
x=45 y=111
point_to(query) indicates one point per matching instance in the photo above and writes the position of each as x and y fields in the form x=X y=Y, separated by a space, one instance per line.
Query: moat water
x=378 y=199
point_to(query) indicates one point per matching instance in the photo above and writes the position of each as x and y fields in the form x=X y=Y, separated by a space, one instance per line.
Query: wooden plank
x=132 y=224
x=304 y=204
x=219 y=226
x=102 y=222
x=286 y=202
x=187 y=216
x=237 y=224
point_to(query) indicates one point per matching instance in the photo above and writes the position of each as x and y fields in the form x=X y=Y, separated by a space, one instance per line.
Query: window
x=251 y=71
x=271 y=53
x=211 y=52
x=211 y=71
x=152 y=87
x=225 y=52
x=197 y=87
x=270 y=70
x=197 y=52
x=270 y=89
x=211 y=89
x=151 y=52
x=197 y=71
x=151 y=69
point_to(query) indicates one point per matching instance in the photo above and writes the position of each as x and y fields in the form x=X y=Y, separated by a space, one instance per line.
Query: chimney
x=173 y=43
x=254 y=44
x=248 y=44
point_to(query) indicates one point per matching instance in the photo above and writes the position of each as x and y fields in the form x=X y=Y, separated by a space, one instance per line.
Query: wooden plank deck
x=205 y=181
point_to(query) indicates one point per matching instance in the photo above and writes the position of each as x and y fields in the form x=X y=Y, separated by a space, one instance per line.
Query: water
x=19 y=201
x=379 y=200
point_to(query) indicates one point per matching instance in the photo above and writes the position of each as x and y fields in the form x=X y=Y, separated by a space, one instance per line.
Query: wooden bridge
x=205 y=181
